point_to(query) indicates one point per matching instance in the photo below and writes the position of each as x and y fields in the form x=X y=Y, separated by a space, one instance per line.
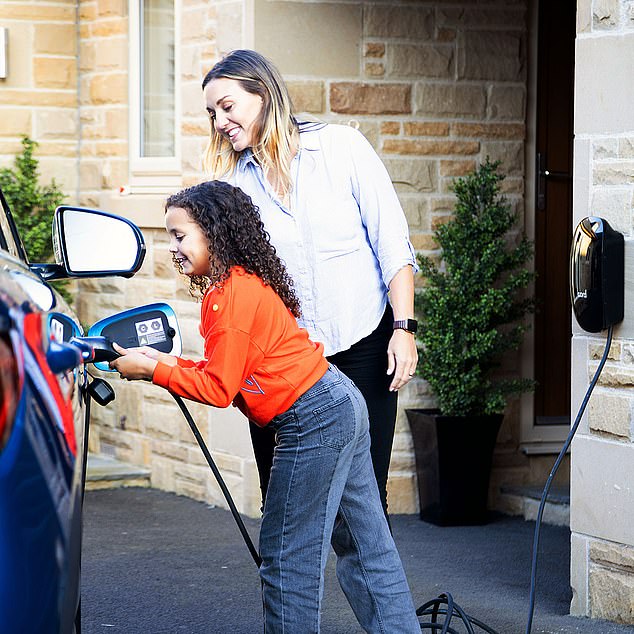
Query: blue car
x=45 y=392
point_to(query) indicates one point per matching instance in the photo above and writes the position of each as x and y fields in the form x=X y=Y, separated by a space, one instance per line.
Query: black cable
x=223 y=487
x=433 y=609
x=84 y=458
x=553 y=471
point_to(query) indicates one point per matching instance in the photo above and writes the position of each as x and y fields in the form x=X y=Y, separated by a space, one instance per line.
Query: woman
x=332 y=214
x=322 y=487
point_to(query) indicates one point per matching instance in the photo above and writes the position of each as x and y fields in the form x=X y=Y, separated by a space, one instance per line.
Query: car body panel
x=42 y=459
x=38 y=492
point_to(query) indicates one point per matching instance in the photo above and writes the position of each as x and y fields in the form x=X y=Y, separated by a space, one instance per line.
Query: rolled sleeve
x=380 y=209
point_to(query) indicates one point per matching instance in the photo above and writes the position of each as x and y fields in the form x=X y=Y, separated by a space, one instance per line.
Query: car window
x=8 y=239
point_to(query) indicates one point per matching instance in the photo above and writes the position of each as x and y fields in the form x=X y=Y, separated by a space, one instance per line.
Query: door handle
x=542 y=175
x=549 y=174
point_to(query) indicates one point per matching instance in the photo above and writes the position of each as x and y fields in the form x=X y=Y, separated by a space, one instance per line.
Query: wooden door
x=553 y=209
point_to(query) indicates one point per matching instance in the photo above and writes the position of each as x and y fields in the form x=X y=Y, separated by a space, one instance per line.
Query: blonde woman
x=332 y=214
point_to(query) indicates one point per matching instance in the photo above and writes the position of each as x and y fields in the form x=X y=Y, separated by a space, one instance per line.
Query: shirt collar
x=247 y=157
x=308 y=140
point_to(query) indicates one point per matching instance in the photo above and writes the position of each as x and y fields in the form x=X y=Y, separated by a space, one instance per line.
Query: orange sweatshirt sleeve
x=188 y=363
x=216 y=381
x=231 y=357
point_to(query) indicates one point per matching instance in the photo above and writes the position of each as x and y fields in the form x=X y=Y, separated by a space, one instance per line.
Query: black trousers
x=366 y=364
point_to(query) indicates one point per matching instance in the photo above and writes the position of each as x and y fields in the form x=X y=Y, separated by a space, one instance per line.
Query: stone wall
x=602 y=471
x=38 y=98
x=103 y=97
x=435 y=87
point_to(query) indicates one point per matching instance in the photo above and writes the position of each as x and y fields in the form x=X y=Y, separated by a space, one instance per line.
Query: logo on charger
x=582 y=294
x=150 y=331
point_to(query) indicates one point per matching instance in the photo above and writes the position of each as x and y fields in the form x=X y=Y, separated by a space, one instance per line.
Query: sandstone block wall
x=602 y=498
x=436 y=88
x=38 y=98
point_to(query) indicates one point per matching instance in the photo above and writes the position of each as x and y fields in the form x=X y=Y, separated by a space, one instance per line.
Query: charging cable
x=223 y=487
x=431 y=608
x=553 y=471
x=437 y=607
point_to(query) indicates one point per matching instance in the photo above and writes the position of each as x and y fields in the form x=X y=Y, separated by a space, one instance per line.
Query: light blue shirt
x=343 y=236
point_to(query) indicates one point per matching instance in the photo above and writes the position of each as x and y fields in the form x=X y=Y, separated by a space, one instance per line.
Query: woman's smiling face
x=234 y=111
x=188 y=244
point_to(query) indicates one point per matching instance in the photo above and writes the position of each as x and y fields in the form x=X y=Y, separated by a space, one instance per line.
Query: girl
x=322 y=486
x=332 y=214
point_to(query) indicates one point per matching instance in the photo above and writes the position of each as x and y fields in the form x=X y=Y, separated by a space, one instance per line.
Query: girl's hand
x=150 y=353
x=402 y=357
x=133 y=365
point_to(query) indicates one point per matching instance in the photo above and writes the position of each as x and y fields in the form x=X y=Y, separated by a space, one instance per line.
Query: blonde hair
x=276 y=128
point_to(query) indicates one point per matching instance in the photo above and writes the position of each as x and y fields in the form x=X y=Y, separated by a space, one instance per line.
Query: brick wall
x=602 y=471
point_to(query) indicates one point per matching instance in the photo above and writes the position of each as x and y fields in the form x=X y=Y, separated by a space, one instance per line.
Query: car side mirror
x=92 y=243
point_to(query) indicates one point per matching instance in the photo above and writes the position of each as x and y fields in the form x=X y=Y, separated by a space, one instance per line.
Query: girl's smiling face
x=188 y=244
x=234 y=111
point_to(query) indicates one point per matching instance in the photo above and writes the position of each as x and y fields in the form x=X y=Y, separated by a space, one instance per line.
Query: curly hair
x=236 y=236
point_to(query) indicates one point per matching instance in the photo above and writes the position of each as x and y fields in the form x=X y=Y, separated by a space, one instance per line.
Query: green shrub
x=32 y=206
x=472 y=307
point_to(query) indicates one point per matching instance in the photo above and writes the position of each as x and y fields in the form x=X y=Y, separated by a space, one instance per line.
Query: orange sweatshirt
x=256 y=355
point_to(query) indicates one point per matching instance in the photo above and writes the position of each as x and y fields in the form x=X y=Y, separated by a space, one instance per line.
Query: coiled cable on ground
x=434 y=610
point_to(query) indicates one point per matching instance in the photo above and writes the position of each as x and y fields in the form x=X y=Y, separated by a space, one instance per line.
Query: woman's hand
x=402 y=357
x=135 y=363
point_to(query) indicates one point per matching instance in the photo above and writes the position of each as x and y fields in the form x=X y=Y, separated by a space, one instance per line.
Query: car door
x=41 y=448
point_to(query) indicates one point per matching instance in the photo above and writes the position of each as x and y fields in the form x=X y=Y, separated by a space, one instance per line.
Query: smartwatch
x=410 y=325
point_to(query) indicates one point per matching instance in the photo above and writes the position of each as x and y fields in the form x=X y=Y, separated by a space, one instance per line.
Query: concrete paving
x=157 y=563
x=105 y=472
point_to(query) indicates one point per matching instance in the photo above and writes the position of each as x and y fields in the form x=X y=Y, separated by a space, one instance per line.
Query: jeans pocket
x=336 y=422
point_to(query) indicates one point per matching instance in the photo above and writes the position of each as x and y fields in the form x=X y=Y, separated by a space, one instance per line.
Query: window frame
x=11 y=243
x=157 y=172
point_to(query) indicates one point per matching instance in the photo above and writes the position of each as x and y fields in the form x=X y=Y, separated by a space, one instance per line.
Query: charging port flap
x=153 y=325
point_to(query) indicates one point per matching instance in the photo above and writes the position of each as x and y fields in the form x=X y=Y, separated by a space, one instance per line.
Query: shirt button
x=214 y=307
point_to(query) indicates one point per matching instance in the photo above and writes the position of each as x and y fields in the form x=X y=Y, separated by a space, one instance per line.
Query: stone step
x=525 y=501
x=106 y=472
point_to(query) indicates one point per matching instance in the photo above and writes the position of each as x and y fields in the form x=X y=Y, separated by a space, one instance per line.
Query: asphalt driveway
x=157 y=563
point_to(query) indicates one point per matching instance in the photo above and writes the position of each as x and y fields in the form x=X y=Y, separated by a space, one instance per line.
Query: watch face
x=410 y=325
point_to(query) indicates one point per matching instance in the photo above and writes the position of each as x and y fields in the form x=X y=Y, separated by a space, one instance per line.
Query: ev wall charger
x=597 y=274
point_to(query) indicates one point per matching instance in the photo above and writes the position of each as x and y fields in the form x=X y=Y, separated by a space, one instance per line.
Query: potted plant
x=471 y=309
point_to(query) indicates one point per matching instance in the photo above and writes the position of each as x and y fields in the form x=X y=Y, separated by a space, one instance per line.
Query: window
x=9 y=240
x=154 y=94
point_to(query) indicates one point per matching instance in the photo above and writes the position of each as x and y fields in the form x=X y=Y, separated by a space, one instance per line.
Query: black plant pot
x=453 y=464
